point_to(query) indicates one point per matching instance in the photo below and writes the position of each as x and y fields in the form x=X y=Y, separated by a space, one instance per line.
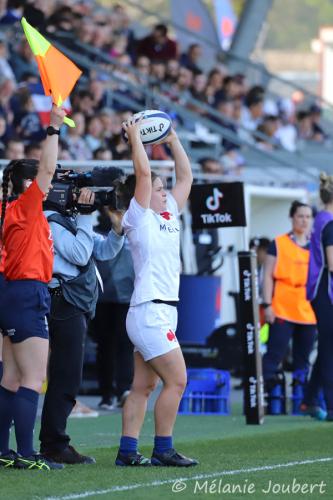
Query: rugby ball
x=154 y=127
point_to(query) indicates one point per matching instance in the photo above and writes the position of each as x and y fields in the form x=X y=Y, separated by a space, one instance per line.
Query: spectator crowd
x=100 y=104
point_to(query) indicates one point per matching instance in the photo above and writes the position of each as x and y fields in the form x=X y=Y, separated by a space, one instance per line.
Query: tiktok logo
x=213 y=202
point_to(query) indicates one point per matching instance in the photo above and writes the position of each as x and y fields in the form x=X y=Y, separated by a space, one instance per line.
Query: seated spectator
x=105 y=38
x=15 y=149
x=118 y=45
x=237 y=109
x=255 y=92
x=119 y=148
x=252 y=114
x=231 y=88
x=110 y=121
x=172 y=71
x=102 y=154
x=158 y=45
x=36 y=12
x=304 y=126
x=210 y=165
x=77 y=146
x=11 y=13
x=2 y=137
x=23 y=61
x=269 y=128
x=181 y=89
x=26 y=121
x=158 y=72
x=62 y=19
x=5 y=68
x=85 y=33
x=191 y=58
x=97 y=90
x=287 y=133
x=198 y=87
x=63 y=151
x=315 y=117
x=94 y=136
x=83 y=101
x=33 y=151
x=232 y=162
x=226 y=108
x=143 y=66
x=121 y=24
x=214 y=84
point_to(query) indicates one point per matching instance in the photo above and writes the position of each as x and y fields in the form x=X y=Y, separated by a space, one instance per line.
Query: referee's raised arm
x=48 y=160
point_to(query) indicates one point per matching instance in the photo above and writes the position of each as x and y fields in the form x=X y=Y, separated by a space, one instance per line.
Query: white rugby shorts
x=151 y=328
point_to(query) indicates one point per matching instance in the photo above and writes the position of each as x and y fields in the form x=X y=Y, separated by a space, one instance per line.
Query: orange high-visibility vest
x=290 y=274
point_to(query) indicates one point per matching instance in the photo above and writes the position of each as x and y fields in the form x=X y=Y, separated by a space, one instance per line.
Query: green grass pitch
x=236 y=462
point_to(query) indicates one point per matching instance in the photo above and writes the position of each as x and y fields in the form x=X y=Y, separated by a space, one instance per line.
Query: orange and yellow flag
x=58 y=73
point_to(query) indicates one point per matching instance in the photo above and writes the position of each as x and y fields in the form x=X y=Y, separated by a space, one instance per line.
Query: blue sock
x=25 y=411
x=1 y=369
x=6 y=417
x=162 y=443
x=128 y=445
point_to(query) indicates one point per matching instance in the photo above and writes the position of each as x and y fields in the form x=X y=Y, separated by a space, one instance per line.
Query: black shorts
x=23 y=309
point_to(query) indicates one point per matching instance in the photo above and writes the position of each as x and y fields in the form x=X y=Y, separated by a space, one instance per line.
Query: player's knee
x=34 y=383
x=178 y=385
x=145 y=389
x=11 y=382
x=181 y=385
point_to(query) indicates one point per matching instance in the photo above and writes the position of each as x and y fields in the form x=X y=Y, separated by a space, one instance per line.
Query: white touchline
x=134 y=486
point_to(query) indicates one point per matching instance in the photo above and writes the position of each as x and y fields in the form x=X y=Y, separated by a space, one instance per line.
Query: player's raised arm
x=142 y=170
x=183 y=170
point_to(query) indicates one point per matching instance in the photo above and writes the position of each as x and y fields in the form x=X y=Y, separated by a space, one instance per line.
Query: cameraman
x=74 y=293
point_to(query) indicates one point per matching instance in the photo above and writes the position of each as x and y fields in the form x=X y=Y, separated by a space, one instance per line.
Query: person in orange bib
x=286 y=308
x=25 y=302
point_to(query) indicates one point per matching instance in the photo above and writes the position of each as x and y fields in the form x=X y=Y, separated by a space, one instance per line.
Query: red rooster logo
x=171 y=336
x=166 y=215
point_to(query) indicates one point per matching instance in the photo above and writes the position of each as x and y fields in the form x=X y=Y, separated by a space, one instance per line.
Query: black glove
x=85 y=208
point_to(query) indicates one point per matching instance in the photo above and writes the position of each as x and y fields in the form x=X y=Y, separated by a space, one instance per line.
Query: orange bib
x=290 y=274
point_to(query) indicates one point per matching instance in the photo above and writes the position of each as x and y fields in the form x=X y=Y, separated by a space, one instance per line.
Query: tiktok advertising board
x=218 y=205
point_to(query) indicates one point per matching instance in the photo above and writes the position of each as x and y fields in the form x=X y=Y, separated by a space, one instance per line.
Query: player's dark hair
x=16 y=171
x=125 y=189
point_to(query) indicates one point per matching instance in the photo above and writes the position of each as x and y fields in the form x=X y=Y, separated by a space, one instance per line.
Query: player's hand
x=269 y=315
x=57 y=116
x=87 y=197
x=169 y=139
x=132 y=128
x=116 y=217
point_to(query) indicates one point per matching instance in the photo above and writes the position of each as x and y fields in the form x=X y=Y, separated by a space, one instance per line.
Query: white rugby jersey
x=155 y=247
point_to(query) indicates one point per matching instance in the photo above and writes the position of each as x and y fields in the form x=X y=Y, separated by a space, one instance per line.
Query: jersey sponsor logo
x=171 y=336
x=169 y=229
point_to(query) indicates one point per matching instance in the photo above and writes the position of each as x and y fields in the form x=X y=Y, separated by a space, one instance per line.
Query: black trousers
x=67 y=330
x=114 y=349
x=280 y=333
x=323 y=309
